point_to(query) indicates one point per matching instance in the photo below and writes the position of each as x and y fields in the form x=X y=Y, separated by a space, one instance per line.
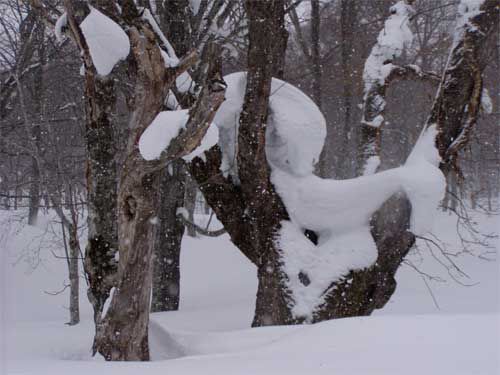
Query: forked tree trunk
x=252 y=212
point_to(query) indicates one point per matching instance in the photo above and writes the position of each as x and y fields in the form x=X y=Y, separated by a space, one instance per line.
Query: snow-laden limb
x=295 y=133
x=391 y=41
x=157 y=137
x=107 y=42
x=340 y=211
x=147 y=16
x=61 y=22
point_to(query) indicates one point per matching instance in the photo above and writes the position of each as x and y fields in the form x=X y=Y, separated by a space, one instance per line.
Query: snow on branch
x=296 y=127
x=106 y=40
x=185 y=134
x=379 y=72
x=454 y=113
x=391 y=41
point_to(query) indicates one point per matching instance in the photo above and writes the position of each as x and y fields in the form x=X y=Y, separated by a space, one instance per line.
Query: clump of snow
x=391 y=41
x=195 y=6
x=158 y=135
x=486 y=102
x=467 y=9
x=107 y=41
x=171 y=101
x=62 y=21
x=295 y=133
x=166 y=126
x=321 y=264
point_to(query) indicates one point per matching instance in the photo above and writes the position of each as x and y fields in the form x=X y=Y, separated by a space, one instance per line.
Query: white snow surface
x=158 y=135
x=210 y=333
x=107 y=42
x=296 y=128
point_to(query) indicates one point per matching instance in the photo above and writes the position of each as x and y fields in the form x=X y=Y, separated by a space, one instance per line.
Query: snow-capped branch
x=379 y=72
x=190 y=134
x=462 y=86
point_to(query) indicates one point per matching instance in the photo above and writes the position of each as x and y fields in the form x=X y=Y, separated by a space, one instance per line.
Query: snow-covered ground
x=433 y=327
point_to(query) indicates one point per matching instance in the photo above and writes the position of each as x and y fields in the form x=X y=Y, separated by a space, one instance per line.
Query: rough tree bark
x=252 y=211
x=167 y=243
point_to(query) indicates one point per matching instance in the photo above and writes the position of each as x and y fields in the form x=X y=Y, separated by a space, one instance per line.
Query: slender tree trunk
x=167 y=244
x=74 y=277
x=315 y=53
x=347 y=20
x=190 y=204
x=34 y=200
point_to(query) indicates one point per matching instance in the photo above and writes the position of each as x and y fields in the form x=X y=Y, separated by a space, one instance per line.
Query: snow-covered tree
x=255 y=164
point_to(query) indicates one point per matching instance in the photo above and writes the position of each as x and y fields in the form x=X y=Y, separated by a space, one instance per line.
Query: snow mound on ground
x=295 y=133
x=107 y=41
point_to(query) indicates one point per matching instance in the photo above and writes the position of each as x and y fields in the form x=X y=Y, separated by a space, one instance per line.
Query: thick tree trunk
x=167 y=243
x=123 y=331
x=100 y=262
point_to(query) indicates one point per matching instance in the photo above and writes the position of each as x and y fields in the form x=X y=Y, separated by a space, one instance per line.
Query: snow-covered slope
x=210 y=333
